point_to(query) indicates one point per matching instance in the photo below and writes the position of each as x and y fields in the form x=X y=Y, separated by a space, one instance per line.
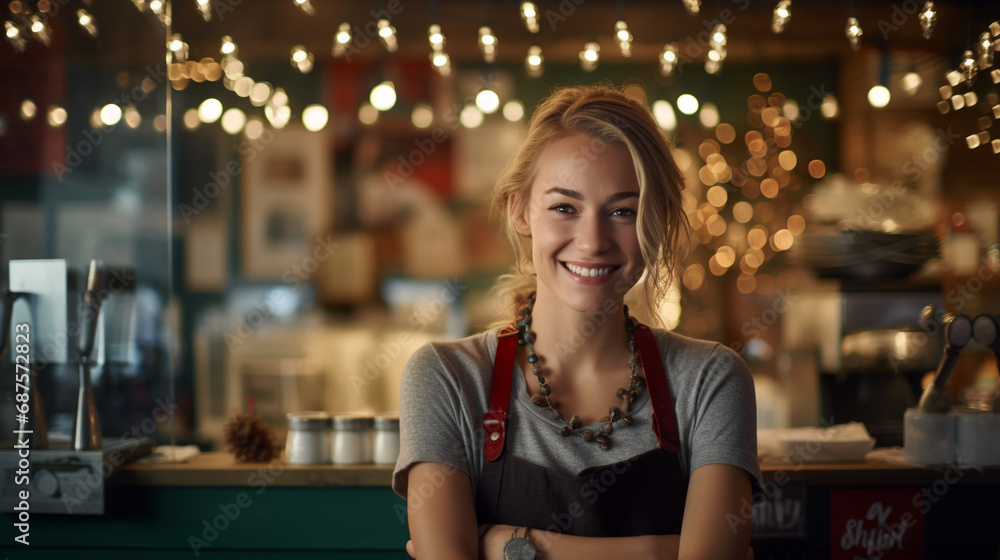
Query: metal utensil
x=86 y=424
x=936 y=397
x=986 y=330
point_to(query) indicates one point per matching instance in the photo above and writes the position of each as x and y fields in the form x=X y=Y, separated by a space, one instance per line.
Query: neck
x=568 y=338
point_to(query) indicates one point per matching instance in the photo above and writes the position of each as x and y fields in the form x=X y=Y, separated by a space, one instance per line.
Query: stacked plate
x=864 y=254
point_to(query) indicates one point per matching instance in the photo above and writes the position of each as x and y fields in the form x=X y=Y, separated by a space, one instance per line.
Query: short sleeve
x=724 y=429
x=431 y=416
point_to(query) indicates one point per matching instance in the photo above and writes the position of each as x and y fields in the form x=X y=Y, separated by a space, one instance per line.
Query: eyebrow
x=577 y=196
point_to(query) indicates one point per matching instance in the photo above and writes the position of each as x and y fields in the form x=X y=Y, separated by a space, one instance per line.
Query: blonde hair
x=611 y=117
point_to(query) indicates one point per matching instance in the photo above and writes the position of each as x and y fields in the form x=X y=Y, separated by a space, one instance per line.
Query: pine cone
x=250 y=439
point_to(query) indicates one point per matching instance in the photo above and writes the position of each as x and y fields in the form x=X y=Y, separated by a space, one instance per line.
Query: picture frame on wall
x=287 y=201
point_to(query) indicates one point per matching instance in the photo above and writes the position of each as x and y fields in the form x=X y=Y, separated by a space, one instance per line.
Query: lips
x=591 y=271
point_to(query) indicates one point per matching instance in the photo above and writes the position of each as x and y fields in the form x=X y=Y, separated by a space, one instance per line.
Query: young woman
x=575 y=432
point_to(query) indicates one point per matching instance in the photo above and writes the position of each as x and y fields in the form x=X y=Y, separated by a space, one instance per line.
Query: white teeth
x=590 y=272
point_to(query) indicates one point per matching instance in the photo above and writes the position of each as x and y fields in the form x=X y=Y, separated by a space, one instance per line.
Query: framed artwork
x=287 y=200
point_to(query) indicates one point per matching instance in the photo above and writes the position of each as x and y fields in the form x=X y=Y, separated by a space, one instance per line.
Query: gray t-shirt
x=445 y=391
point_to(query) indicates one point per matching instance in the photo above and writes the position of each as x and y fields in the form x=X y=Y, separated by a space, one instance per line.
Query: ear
x=519 y=215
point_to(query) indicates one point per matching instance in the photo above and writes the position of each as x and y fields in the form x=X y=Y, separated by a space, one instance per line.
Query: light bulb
x=589 y=56
x=687 y=104
x=86 y=21
x=534 y=63
x=341 y=39
x=435 y=37
x=692 y=6
x=984 y=50
x=178 y=48
x=487 y=44
x=782 y=13
x=41 y=30
x=878 y=96
x=302 y=59
x=968 y=68
x=306 y=6
x=15 y=36
x=488 y=101
x=441 y=62
x=383 y=96
x=853 y=32
x=529 y=13
x=205 y=9
x=928 y=19
x=387 y=34
x=624 y=38
x=910 y=82
x=668 y=59
x=228 y=47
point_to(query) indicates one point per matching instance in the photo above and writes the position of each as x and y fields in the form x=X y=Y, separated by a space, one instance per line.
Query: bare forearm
x=558 y=546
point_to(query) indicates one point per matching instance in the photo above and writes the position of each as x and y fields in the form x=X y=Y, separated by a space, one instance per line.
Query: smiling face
x=581 y=217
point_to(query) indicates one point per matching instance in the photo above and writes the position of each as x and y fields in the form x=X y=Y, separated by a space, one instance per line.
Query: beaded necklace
x=574 y=426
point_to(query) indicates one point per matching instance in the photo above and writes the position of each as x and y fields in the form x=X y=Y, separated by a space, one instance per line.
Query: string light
x=487 y=44
x=878 y=96
x=589 y=56
x=341 y=39
x=178 y=48
x=668 y=59
x=624 y=38
x=387 y=33
x=306 y=6
x=488 y=101
x=968 y=68
x=692 y=6
x=86 y=21
x=928 y=19
x=718 y=51
x=41 y=30
x=441 y=62
x=302 y=59
x=529 y=13
x=984 y=50
x=782 y=13
x=853 y=32
x=435 y=37
x=534 y=63
x=15 y=36
x=383 y=96
x=228 y=47
x=205 y=9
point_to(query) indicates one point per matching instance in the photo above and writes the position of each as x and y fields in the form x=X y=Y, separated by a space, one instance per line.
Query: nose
x=592 y=235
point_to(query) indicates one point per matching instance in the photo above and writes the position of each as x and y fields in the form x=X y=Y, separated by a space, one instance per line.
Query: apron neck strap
x=495 y=419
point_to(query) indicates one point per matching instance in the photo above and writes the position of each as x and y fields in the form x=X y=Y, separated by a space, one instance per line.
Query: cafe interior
x=276 y=203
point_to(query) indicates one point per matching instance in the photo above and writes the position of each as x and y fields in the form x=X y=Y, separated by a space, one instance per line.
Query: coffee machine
x=873 y=342
x=65 y=332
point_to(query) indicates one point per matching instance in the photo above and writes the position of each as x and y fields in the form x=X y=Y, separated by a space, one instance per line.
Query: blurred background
x=289 y=197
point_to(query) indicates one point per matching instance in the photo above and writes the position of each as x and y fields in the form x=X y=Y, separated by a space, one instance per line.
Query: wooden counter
x=222 y=469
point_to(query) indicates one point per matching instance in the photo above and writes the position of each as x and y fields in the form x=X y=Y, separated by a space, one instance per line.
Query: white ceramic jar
x=308 y=440
x=352 y=439
x=386 y=439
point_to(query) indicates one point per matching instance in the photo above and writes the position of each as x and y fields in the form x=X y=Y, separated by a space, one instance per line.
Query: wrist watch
x=519 y=548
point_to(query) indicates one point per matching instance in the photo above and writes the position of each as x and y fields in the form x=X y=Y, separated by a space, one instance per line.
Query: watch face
x=518 y=549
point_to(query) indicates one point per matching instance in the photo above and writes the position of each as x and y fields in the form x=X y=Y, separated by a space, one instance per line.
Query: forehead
x=582 y=158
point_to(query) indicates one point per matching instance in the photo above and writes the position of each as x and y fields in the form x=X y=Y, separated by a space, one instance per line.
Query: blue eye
x=624 y=212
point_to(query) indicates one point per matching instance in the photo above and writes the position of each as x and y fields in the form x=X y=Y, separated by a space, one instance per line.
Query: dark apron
x=643 y=495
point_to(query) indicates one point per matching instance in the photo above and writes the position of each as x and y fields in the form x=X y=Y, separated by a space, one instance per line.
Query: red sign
x=876 y=524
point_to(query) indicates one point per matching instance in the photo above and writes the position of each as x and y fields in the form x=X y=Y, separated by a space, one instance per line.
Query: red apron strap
x=664 y=420
x=495 y=419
